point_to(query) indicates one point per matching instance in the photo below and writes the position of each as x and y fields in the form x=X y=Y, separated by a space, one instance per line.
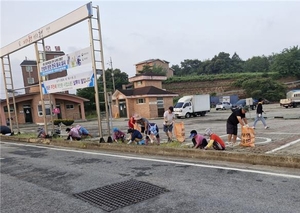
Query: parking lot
x=284 y=128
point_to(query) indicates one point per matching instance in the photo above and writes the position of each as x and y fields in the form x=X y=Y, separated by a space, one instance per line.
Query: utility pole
x=112 y=74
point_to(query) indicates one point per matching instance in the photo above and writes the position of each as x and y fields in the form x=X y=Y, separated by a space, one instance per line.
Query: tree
x=120 y=78
x=155 y=70
x=265 y=88
x=257 y=64
x=287 y=63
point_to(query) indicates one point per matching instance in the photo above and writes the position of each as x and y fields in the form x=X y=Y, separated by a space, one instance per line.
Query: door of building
x=27 y=113
x=160 y=107
x=122 y=109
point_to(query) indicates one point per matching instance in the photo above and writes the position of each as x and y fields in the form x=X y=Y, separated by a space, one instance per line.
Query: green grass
x=26 y=135
x=226 y=76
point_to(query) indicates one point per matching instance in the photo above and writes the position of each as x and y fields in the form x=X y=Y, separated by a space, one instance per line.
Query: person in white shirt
x=169 y=118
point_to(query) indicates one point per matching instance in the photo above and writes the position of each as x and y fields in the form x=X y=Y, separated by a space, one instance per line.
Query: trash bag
x=248 y=137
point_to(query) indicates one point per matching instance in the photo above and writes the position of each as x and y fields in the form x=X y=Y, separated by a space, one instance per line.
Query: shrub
x=67 y=122
x=57 y=121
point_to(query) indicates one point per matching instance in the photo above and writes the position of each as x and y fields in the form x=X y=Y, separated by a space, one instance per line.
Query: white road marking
x=160 y=161
x=1 y=158
x=284 y=146
x=266 y=140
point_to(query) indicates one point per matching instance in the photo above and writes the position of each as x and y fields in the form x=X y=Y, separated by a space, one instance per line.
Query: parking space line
x=284 y=146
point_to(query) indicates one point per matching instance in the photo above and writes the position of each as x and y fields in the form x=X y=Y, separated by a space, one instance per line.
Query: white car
x=223 y=106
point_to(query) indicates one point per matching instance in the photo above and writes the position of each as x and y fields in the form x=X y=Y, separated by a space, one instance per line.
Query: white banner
x=70 y=82
x=68 y=61
x=56 y=26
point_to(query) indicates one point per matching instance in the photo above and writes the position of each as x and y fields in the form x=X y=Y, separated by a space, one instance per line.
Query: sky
x=134 y=31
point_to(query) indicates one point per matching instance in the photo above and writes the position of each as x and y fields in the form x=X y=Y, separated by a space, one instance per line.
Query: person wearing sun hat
x=237 y=117
x=198 y=140
x=143 y=122
x=118 y=135
x=214 y=140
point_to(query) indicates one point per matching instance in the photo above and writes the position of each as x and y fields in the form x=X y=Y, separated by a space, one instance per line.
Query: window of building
x=30 y=80
x=160 y=103
x=69 y=106
x=139 y=83
x=47 y=109
x=11 y=107
x=29 y=69
x=140 y=100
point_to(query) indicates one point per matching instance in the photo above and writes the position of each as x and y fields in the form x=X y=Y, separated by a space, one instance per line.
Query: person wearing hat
x=143 y=122
x=198 y=140
x=118 y=135
x=73 y=134
x=169 y=118
x=214 y=140
x=236 y=117
x=136 y=136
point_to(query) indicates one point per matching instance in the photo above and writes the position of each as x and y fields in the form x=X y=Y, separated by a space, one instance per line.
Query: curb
x=248 y=158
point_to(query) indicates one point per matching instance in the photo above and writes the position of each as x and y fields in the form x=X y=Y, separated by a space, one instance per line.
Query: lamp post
x=112 y=74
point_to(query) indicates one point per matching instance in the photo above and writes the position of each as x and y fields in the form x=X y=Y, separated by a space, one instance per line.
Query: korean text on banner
x=70 y=82
x=65 y=62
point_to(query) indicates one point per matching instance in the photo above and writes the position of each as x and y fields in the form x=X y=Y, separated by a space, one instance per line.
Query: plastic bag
x=179 y=131
x=248 y=137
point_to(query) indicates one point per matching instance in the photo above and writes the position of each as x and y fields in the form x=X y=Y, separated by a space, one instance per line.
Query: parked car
x=223 y=105
x=242 y=102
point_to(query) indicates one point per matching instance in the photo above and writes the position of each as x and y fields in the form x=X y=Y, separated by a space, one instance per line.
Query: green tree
x=257 y=64
x=265 y=88
x=120 y=78
x=287 y=63
x=159 y=70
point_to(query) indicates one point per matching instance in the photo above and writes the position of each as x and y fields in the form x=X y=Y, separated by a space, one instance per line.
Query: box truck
x=192 y=105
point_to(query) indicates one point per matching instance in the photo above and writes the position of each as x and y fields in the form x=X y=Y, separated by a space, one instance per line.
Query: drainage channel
x=118 y=195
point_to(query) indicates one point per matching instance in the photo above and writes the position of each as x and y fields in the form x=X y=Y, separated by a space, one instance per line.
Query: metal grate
x=118 y=195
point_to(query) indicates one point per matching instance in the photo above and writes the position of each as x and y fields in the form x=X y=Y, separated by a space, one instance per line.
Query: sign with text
x=56 y=26
x=68 y=61
x=70 y=82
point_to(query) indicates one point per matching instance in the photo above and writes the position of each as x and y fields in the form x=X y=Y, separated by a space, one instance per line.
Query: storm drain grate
x=118 y=195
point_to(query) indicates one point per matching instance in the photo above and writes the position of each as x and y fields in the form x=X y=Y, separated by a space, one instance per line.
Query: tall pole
x=112 y=74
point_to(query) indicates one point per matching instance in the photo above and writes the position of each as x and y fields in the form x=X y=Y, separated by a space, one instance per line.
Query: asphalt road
x=38 y=179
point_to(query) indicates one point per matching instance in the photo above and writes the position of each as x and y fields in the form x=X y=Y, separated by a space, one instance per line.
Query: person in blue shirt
x=136 y=136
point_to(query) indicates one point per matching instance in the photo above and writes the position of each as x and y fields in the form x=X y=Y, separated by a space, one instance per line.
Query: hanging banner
x=65 y=62
x=70 y=82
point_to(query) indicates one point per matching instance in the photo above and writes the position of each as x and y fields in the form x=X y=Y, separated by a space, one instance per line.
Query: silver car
x=223 y=106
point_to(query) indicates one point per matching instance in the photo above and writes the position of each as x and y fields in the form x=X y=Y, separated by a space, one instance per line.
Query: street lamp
x=112 y=74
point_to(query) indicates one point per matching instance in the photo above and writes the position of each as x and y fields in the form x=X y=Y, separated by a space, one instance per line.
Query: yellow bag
x=179 y=131
x=137 y=127
x=248 y=137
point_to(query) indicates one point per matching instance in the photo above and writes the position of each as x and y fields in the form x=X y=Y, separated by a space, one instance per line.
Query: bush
x=57 y=121
x=67 y=122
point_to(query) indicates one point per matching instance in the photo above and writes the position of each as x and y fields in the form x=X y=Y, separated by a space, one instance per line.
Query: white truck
x=292 y=99
x=192 y=105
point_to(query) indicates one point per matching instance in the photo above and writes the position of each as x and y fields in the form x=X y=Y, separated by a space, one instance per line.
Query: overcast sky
x=134 y=31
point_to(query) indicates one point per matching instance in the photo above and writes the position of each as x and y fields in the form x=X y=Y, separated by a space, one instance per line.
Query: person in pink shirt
x=73 y=134
x=198 y=140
